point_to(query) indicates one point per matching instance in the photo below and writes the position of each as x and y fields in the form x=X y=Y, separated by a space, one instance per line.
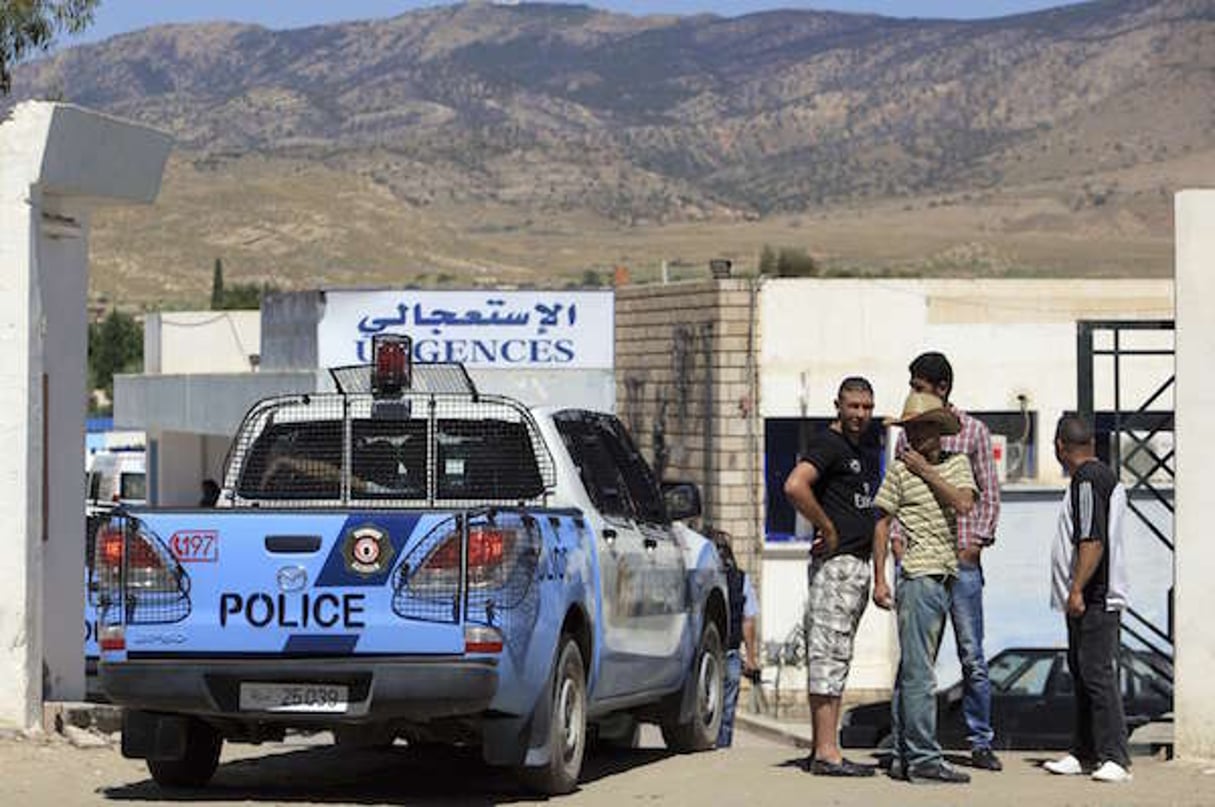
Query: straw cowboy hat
x=924 y=407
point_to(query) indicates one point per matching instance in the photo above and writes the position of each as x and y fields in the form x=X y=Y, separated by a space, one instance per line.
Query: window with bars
x=422 y=450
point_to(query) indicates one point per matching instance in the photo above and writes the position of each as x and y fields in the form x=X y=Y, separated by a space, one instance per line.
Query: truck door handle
x=649 y=543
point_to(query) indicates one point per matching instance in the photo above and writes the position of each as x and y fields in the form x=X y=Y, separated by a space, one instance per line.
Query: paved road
x=756 y=772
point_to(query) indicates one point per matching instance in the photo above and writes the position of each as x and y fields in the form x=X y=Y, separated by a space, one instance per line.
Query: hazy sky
x=117 y=16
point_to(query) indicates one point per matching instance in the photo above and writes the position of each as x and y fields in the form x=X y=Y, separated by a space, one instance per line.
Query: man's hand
x=970 y=555
x=1075 y=603
x=915 y=462
x=882 y=597
x=751 y=671
x=825 y=542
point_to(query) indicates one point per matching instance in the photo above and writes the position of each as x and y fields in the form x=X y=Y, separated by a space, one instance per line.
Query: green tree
x=115 y=346
x=767 y=261
x=244 y=296
x=32 y=25
x=217 y=285
x=793 y=262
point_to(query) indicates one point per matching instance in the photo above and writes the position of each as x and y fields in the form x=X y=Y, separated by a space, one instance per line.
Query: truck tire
x=699 y=733
x=567 y=726
x=196 y=768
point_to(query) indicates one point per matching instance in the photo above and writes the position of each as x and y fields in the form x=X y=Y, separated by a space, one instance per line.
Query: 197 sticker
x=195 y=546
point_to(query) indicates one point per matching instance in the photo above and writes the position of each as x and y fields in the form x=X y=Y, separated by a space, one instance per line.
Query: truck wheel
x=567 y=727
x=196 y=768
x=700 y=732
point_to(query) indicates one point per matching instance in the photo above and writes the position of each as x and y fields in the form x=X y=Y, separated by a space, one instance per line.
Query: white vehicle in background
x=116 y=476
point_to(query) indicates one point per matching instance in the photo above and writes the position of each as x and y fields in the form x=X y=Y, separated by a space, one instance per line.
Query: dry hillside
x=532 y=143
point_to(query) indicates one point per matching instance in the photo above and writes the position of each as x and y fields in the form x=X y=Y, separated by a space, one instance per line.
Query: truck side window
x=601 y=477
x=642 y=485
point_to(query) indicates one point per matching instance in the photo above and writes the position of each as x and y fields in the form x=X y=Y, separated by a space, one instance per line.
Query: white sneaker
x=1111 y=772
x=1065 y=766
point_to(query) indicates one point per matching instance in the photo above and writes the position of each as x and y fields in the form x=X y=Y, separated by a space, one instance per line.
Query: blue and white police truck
x=407 y=558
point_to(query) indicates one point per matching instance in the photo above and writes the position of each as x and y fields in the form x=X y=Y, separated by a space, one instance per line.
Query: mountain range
x=548 y=143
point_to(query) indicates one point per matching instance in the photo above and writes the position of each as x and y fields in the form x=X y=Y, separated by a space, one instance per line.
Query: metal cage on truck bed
x=439 y=444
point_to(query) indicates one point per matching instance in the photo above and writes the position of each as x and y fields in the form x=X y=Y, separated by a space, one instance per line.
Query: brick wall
x=686 y=375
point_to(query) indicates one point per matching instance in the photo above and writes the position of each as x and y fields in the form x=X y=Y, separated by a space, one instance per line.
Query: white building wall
x=1003 y=338
x=22 y=144
x=1194 y=697
x=201 y=341
x=56 y=163
x=64 y=353
x=181 y=463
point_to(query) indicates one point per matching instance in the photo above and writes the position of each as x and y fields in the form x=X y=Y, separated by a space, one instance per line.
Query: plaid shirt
x=979 y=525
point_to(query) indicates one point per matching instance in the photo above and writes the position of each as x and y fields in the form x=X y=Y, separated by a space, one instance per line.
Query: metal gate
x=1125 y=380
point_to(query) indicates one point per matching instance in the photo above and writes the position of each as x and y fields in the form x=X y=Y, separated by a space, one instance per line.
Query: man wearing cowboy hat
x=926 y=490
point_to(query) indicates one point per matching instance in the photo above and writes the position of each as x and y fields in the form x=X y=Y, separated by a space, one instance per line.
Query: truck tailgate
x=302 y=583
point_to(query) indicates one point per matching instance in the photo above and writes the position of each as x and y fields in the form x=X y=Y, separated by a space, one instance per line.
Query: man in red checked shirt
x=931 y=372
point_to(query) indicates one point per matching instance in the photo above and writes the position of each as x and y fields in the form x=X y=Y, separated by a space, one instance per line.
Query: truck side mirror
x=682 y=500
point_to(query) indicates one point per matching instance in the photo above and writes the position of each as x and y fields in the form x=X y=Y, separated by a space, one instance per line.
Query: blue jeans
x=966 y=613
x=725 y=735
x=922 y=604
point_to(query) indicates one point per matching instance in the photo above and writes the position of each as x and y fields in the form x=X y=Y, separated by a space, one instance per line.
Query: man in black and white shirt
x=832 y=487
x=1089 y=583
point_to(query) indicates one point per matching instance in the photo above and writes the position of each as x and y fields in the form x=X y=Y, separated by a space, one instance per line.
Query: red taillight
x=482 y=639
x=113 y=638
x=486 y=547
x=112 y=541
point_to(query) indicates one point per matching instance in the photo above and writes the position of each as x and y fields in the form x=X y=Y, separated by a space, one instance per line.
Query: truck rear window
x=483 y=459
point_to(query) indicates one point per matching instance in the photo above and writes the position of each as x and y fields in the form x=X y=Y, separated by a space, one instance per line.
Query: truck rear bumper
x=379 y=689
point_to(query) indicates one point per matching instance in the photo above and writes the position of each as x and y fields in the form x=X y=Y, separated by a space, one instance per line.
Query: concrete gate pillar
x=1194 y=639
x=57 y=163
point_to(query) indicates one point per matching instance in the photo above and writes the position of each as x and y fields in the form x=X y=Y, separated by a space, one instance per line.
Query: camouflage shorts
x=839 y=590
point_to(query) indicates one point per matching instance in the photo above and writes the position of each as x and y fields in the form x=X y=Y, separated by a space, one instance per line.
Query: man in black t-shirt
x=1089 y=583
x=832 y=487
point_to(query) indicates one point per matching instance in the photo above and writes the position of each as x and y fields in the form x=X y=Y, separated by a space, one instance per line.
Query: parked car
x=1031 y=702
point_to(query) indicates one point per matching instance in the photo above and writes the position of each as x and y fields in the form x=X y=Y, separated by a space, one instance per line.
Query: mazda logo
x=292 y=578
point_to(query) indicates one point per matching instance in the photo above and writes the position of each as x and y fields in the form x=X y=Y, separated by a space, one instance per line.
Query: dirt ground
x=50 y=770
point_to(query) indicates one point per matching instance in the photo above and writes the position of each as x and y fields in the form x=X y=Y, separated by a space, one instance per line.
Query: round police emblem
x=367 y=549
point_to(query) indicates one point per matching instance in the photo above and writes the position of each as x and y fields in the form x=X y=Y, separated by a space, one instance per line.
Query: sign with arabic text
x=536 y=329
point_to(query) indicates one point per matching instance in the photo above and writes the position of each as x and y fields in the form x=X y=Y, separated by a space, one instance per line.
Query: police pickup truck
x=409 y=559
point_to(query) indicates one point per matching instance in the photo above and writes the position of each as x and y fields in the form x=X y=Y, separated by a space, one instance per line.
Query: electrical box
x=999 y=455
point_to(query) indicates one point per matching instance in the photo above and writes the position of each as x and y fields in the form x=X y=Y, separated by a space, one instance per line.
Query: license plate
x=310 y=698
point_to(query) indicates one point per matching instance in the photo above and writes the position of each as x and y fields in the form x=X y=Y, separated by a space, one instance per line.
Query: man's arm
x=1090 y=524
x=882 y=597
x=986 y=513
x=799 y=490
x=1088 y=556
x=961 y=499
x=751 y=642
x=750 y=611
